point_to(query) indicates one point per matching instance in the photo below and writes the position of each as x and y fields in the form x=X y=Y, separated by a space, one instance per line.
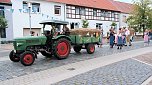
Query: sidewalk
x=6 y=46
x=57 y=74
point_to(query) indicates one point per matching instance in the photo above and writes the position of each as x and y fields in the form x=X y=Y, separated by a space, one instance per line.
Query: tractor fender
x=34 y=52
x=62 y=36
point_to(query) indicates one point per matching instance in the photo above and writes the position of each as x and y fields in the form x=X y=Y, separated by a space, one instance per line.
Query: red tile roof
x=5 y=1
x=122 y=7
x=101 y=4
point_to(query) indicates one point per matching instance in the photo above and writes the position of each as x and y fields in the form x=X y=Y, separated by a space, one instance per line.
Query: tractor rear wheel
x=77 y=48
x=46 y=54
x=13 y=57
x=62 y=48
x=90 y=48
x=27 y=58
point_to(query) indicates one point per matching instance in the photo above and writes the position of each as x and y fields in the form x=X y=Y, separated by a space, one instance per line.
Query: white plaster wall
x=21 y=20
x=8 y=17
x=123 y=24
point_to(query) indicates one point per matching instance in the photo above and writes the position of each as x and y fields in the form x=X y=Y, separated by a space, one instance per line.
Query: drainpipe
x=119 y=20
x=64 y=12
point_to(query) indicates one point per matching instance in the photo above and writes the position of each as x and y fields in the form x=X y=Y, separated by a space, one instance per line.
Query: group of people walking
x=120 y=39
x=123 y=37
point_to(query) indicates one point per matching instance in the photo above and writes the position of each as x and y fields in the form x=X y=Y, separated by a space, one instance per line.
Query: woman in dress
x=119 y=39
x=112 y=37
x=146 y=37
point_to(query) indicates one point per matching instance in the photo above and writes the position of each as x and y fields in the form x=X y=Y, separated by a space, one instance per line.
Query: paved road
x=127 y=72
x=10 y=70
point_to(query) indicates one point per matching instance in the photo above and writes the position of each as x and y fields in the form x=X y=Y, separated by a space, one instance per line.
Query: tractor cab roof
x=53 y=22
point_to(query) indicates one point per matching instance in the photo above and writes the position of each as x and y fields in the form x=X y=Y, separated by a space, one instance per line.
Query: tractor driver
x=54 y=31
x=66 y=30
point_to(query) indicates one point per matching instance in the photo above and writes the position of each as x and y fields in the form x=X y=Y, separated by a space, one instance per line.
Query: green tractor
x=52 y=43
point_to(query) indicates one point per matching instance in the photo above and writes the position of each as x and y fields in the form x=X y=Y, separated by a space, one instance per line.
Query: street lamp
x=29 y=7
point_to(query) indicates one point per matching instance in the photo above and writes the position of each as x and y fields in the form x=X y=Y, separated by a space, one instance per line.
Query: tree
x=141 y=16
x=85 y=23
x=113 y=24
x=3 y=23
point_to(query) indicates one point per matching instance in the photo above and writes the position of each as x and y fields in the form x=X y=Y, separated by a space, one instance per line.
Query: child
x=119 y=39
x=146 y=37
x=32 y=33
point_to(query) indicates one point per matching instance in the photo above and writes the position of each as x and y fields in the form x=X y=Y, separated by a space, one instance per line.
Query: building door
x=72 y=25
x=26 y=31
x=3 y=33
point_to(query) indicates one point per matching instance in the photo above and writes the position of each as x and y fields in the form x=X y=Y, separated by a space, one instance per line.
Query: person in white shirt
x=127 y=33
x=119 y=39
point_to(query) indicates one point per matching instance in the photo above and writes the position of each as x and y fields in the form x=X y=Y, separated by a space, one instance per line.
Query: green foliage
x=3 y=23
x=85 y=24
x=113 y=24
x=141 y=16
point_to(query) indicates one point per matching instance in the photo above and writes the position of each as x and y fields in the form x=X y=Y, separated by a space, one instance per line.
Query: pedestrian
x=132 y=34
x=124 y=36
x=32 y=33
x=119 y=39
x=127 y=33
x=112 y=37
x=101 y=37
x=146 y=37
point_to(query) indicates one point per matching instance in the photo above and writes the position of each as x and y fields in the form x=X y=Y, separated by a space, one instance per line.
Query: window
x=2 y=11
x=82 y=11
x=112 y=14
x=77 y=10
x=35 y=7
x=124 y=18
x=102 y=13
x=69 y=11
x=25 y=6
x=57 y=10
x=94 y=12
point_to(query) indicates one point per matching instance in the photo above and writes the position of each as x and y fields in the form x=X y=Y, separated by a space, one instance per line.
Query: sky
x=128 y=1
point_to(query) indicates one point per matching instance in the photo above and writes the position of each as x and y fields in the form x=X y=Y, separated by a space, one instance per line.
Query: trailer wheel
x=27 y=58
x=46 y=54
x=77 y=48
x=13 y=57
x=90 y=48
x=62 y=48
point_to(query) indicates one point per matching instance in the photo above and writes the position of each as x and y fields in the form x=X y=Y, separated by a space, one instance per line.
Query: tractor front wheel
x=77 y=48
x=27 y=58
x=13 y=57
x=90 y=48
x=62 y=48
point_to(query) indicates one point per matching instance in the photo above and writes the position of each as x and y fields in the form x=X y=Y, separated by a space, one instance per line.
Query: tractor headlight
x=19 y=44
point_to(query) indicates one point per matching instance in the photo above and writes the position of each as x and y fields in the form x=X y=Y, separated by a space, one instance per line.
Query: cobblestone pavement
x=127 y=72
x=11 y=70
x=146 y=58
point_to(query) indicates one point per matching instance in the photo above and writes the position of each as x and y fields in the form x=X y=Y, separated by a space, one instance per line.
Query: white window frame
x=26 y=9
x=57 y=7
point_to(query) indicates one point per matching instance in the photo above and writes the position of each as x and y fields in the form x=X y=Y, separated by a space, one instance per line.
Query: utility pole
x=29 y=7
